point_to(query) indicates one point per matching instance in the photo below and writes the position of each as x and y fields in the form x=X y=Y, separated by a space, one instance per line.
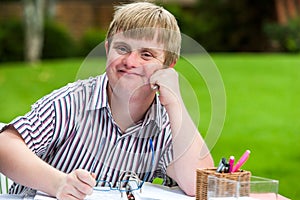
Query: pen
x=241 y=161
x=155 y=87
x=231 y=163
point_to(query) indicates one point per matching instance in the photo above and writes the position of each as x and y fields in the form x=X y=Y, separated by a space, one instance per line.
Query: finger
x=160 y=75
x=154 y=79
x=93 y=175
x=153 y=83
x=69 y=192
x=86 y=177
x=80 y=195
x=85 y=182
x=75 y=194
x=157 y=74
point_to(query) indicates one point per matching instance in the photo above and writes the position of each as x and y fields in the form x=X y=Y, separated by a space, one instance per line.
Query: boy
x=96 y=130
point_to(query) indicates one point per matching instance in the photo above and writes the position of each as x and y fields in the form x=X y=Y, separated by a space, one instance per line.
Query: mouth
x=125 y=72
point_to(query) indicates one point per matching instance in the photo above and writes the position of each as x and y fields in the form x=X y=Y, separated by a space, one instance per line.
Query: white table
x=7 y=196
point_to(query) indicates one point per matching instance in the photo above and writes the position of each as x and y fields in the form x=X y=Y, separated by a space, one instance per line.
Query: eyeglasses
x=128 y=180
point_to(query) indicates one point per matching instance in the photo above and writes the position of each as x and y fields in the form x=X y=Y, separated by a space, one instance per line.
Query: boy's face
x=131 y=62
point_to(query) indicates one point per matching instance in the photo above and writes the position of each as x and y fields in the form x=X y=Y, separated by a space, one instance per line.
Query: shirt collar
x=99 y=98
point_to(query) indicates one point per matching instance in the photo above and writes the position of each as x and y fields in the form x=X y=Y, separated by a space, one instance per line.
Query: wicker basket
x=202 y=182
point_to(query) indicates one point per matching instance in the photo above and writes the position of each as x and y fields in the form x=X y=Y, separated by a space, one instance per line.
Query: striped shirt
x=73 y=128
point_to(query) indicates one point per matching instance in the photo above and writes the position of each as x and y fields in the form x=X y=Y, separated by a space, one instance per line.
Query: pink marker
x=241 y=161
x=231 y=163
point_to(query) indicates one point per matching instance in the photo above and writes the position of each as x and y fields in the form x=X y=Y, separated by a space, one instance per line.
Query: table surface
x=6 y=196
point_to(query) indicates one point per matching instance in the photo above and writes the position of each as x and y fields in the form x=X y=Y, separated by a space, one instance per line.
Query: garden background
x=257 y=55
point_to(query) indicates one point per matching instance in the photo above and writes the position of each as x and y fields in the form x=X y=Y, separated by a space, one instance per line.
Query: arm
x=24 y=167
x=190 y=150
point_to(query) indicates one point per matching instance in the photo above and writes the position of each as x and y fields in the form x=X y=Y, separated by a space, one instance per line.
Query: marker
x=231 y=163
x=241 y=161
x=221 y=165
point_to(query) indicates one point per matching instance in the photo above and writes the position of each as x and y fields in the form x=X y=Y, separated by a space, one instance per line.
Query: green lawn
x=262 y=114
x=263 y=96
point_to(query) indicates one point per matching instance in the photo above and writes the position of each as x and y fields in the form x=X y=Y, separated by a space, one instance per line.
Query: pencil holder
x=205 y=179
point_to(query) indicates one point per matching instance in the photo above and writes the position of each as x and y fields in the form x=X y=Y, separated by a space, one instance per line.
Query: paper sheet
x=158 y=192
x=232 y=198
x=112 y=195
x=149 y=192
x=98 y=195
x=154 y=192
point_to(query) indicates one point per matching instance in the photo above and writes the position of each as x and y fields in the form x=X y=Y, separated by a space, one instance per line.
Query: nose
x=132 y=59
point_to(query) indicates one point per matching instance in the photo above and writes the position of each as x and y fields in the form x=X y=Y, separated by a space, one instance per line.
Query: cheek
x=152 y=68
x=112 y=63
x=150 y=72
x=112 y=59
x=111 y=69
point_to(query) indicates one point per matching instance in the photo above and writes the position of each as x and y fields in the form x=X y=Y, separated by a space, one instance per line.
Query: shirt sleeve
x=51 y=118
x=36 y=127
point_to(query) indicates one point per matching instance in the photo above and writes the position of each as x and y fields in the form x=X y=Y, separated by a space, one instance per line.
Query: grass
x=263 y=115
x=262 y=99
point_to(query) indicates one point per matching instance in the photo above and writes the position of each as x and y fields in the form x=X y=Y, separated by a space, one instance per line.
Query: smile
x=124 y=72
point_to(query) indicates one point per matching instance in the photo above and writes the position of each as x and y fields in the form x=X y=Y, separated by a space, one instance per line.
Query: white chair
x=1 y=125
x=5 y=183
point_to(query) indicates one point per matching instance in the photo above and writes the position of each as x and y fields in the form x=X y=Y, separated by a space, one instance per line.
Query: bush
x=285 y=37
x=90 y=40
x=220 y=25
x=58 y=43
x=11 y=41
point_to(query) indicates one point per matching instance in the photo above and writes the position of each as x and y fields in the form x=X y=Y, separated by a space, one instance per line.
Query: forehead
x=138 y=43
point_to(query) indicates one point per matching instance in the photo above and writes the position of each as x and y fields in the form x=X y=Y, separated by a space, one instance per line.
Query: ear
x=173 y=64
x=106 y=47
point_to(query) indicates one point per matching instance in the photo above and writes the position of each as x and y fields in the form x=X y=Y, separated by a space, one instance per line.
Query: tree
x=286 y=10
x=34 y=26
x=51 y=9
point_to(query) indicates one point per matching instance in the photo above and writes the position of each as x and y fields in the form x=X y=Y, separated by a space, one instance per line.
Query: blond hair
x=144 y=20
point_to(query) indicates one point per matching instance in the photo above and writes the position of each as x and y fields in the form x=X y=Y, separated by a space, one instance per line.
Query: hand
x=168 y=85
x=76 y=185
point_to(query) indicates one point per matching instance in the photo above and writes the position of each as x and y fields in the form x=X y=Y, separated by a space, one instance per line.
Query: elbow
x=190 y=192
x=188 y=187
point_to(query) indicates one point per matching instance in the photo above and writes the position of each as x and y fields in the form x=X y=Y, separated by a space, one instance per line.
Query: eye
x=146 y=55
x=122 y=49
